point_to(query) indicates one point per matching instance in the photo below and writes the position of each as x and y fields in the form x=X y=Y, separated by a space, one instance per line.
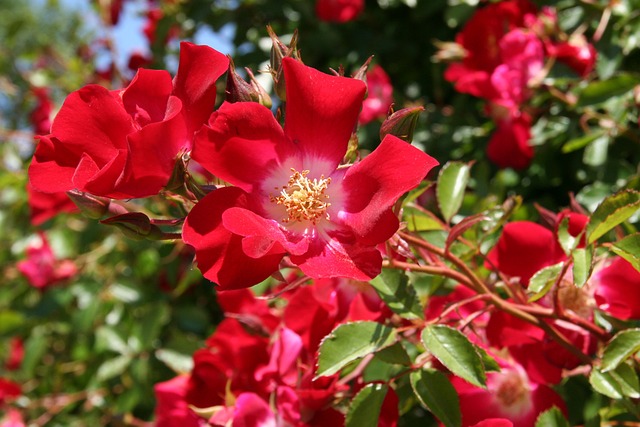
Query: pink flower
x=291 y=198
x=250 y=410
x=617 y=289
x=13 y=418
x=124 y=144
x=524 y=248
x=42 y=268
x=509 y=395
x=339 y=10
x=379 y=96
x=172 y=409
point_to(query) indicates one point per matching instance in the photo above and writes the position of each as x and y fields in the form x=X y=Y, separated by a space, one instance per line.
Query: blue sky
x=128 y=36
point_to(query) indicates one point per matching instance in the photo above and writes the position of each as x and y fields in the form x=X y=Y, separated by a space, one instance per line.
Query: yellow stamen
x=303 y=198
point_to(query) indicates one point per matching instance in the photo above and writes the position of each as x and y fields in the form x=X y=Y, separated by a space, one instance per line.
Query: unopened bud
x=361 y=74
x=402 y=123
x=238 y=90
x=279 y=51
x=261 y=96
x=94 y=207
x=135 y=225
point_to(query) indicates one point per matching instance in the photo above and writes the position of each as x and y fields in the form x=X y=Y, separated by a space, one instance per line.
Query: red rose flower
x=339 y=10
x=291 y=198
x=40 y=116
x=510 y=395
x=509 y=145
x=524 y=248
x=123 y=144
x=617 y=289
x=172 y=410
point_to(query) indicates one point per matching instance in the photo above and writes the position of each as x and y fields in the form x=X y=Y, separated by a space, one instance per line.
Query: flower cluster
x=505 y=49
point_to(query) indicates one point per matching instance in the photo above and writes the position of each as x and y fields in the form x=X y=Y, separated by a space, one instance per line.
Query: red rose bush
x=384 y=291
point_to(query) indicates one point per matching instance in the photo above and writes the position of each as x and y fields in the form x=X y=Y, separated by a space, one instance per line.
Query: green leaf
x=612 y=211
x=420 y=220
x=623 y=345
x=177 y=362
x=543 y=280
x=552 y=418
x=602 y=90
x=629 y=249
x=580 y=142
x=566 y=240
x=452 y=183
x=107 y=338
x=349 y=342
x=596 y=152
x=10 y=321
x=435 y=392
x=113 y=367
x=455 y=351
x=616 y=384
x=489 y=363
x=395 y=290
x=364 y=410
x=395 y=354
x=582 y=265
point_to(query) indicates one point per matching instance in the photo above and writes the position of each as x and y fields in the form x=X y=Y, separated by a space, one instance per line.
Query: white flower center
x=304 y=199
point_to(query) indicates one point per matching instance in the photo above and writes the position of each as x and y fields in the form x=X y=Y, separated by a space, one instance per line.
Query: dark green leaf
x=455 y=351
x=580 y=142
x=395 y=290
x=552 y=418
x=395 y=354
x=602 y=90
x=435 y=392
x=451 y=186
x=629 y=249
x=10 y=321
x=612 y=211
x=349 y=342
x=623 y=345
x=364 y=410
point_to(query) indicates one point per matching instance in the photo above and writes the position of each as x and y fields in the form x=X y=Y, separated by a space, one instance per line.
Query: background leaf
x=364 y=410
x=349 y=342
x=451 y=186
x=398 y=293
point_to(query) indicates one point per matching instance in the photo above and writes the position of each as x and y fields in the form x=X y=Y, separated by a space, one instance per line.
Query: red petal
x=53 y=166
x=93 y=121
x=337 y=259
x=150 y=163
x=243 y=143
x=262 y=233
x=373 y=186
x=322 y=110
x=100 y=181
x=195 y=82
x=146 y=97
x=218 y=251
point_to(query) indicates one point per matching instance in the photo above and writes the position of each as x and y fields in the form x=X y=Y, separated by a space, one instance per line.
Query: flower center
x=303 y=198
x=512 y=392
